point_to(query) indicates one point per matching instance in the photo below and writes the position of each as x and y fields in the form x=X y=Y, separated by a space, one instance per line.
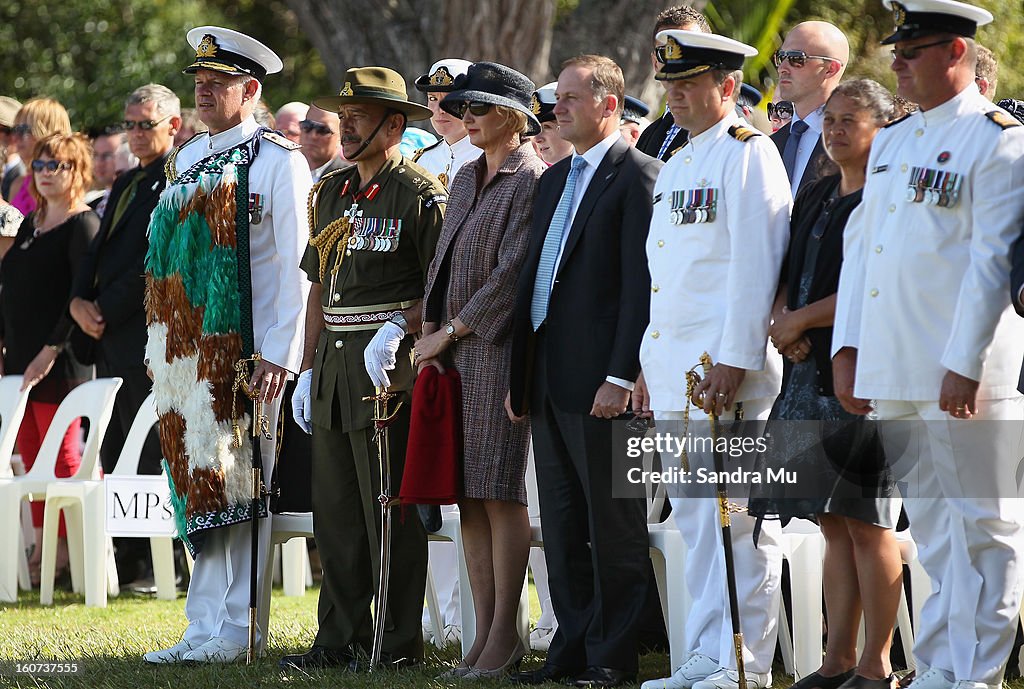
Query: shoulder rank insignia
x=275 y=138
x=897 y=120
x=420 y=151
x=743 y=134
x=1002 y=119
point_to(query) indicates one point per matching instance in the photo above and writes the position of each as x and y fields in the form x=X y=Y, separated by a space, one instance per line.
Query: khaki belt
x=354 y=318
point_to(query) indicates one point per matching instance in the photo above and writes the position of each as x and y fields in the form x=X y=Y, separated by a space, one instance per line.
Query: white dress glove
x=379 y=355
x=302 y=405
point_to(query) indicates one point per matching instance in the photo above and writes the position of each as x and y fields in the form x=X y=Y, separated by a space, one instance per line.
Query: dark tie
x=796 y=130
x=126 y=197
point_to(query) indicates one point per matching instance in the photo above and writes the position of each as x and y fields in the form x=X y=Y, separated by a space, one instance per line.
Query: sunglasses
x=913 y=53
x=49 y=165
x=21 y=129
x=144 y=125
x=476 y=108
x=782 y=110
x=797 y=58
x=317 y=127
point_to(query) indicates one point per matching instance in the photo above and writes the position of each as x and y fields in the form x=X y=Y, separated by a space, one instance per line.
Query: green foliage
x=91 y=55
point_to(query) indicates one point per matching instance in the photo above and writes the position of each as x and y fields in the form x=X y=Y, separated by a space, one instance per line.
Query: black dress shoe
x=819 y=681
x=604 y=677
x=317 y=658
x=546 y=673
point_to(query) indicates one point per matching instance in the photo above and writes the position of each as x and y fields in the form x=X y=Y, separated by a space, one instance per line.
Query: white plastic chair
x=81 y=497
x=12 y=410
x=290 y=530
x=803 y=546
x=161 y=547
x=668 y=558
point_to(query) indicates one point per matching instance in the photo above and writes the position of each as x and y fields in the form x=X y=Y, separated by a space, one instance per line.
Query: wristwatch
x=399 y=320
x=449 y=329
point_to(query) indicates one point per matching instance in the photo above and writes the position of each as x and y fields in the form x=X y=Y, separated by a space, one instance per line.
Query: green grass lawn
x=108 y=643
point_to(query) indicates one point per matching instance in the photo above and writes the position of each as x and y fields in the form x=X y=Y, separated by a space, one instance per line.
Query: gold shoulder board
x=743 y=134
x=1002 y=119
x=275 y=138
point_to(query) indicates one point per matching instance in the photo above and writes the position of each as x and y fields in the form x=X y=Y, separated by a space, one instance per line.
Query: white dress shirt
x=276 y=243
x=808 y=142
x=713 y=283
x=923 y=287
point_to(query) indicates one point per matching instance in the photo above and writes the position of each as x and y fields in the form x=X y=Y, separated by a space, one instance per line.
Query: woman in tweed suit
x=467 y=318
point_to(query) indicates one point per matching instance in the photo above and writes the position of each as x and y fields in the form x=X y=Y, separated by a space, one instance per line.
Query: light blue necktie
x=552 y=245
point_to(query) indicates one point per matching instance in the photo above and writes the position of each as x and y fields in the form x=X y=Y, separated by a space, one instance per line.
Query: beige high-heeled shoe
x=510 y=665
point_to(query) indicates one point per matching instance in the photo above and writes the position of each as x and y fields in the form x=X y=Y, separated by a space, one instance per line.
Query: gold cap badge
x=441 y=77
x=346 y=90
x=207 y=47
x=899 y=14
x=671 y=50
x=535 y=104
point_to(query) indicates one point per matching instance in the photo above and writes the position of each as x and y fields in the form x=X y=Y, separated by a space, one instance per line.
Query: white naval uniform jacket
x=279 y=289
x=924 y=286
x=713 y=283
x=442 y=158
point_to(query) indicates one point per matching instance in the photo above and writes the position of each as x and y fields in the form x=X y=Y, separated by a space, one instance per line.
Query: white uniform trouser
x=218 y=593
x=758 y=570
x=444 y=568
x=960 y=485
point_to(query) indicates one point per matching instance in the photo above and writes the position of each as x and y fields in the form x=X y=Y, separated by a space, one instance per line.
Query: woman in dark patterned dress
x=467 y=317
x=842 y=480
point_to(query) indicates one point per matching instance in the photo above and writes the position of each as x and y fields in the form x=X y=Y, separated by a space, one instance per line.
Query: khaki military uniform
x=381 y=268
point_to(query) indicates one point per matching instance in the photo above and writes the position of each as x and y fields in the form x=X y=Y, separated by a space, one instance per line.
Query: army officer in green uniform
x=373 y=228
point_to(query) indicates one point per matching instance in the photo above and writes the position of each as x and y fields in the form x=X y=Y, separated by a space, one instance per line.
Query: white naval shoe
x=730 y=679
x=216 y=650
x=168 y=655
x=932 y=679
x=695 y=669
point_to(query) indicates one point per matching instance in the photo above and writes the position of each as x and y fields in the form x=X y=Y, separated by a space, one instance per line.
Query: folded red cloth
x=433 y=458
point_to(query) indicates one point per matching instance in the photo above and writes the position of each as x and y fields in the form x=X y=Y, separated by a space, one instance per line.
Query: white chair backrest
x=128 y=460
x=12 y=409
x=93 y=400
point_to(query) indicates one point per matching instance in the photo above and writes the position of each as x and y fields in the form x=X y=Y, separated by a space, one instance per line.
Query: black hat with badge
x=494 y=84
x=919 y=18
x=688 y=54
x=231 y=52
x=543 y=102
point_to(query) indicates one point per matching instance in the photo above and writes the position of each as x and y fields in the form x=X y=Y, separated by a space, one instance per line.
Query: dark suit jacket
x=651 y=139
x=812 y=202
x=818 y=165
x=1016 y=283
x=600 y=302
x=112 y=272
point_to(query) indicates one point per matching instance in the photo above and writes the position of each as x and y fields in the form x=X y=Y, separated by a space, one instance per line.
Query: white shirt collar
x=596 y=153
x=232 y=137
x=717 y=129
x=463 y=145
x=951 y=107
x=814 y=119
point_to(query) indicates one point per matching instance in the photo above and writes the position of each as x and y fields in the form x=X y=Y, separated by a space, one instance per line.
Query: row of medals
x=934 y=187
x=691 y=206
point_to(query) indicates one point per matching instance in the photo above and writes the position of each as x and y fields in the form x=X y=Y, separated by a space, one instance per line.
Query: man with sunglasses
x=320 y=137
x=810 y=63
x=925 y=335
x=664 y=136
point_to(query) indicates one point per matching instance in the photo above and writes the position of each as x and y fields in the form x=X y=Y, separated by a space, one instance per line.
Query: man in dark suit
x=811 y=63
x=581 y=310
x=108 y=294
x=663 y=136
